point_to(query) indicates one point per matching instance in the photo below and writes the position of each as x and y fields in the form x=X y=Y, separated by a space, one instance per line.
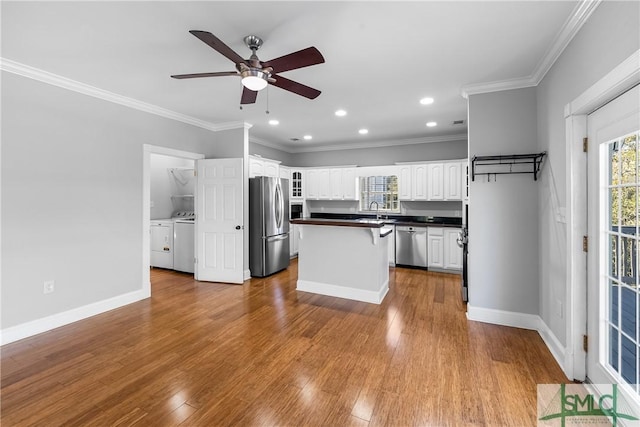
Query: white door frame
x=147 y=151
x=619 y=80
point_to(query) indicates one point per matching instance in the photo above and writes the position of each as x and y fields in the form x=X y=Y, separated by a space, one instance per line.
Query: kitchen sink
x=370 y=221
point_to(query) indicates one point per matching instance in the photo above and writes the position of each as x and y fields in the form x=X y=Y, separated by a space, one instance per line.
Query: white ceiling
x=381 y=58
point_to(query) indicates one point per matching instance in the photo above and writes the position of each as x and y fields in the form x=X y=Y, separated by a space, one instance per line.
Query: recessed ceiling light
x=431 y=124
x=274 y=122
x=341 y=113
x=363 y=131
x=307 y=137
x=426 y=101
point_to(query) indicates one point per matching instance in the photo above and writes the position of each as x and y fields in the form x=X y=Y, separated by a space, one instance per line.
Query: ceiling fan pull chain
x=267 y=111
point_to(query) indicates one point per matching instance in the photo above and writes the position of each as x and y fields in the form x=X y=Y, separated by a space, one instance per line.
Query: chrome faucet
x=377 y=208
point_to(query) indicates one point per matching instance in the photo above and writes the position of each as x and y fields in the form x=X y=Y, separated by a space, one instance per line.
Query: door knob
x=238 y=227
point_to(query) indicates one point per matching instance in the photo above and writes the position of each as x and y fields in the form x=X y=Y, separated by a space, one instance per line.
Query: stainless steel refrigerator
x=268 y=225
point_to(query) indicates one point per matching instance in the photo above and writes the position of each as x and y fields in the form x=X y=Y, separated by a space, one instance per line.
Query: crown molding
x=269 y=144
x=572 y=25
x=233 y=125
x=360 y=145
x=23 y=70
x=496 y=86
x=570 y=28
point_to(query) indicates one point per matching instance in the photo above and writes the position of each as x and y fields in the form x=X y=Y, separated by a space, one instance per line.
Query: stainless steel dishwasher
x=411 y=246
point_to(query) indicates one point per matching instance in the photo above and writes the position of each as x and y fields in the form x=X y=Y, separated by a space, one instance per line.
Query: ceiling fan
x=257 y=74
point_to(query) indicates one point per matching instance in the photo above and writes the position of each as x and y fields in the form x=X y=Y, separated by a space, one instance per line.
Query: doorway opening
x=180 y=157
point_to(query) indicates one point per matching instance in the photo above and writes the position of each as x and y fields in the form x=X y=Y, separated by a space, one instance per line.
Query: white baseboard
x=505 y=318
x=373 y=297
x=524 y=321
x=247 y=274
x=556 y=348
x=34 y=327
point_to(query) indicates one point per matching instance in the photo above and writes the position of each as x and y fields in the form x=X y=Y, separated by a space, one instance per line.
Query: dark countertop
x=404 y=220
x=360 y=222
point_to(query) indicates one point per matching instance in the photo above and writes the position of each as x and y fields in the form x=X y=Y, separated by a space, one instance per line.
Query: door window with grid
x=620 y=235
x=382 y=190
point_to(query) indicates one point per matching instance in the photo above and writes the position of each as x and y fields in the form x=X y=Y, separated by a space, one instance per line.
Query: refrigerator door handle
x=279 y=206
x=276 y=238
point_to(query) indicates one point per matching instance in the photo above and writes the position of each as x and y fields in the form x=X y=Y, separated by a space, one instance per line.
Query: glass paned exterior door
x=620 y=235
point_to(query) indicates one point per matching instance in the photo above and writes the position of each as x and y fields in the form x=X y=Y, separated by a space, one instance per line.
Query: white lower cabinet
x=294 y=240
x=392 y=245
x=435 y=247
x=452 y=252
x=443 y=251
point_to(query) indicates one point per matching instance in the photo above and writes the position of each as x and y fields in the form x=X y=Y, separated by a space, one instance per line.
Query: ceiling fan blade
x=218 y=74
x=295 y=87
x=292 y=61
x=248 y=96
x=218 y=45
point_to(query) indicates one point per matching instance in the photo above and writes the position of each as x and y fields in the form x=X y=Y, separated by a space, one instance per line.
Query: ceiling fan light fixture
x=254 y=79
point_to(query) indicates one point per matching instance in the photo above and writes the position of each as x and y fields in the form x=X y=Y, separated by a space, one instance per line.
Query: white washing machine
x=184 y=245
x=162 y=243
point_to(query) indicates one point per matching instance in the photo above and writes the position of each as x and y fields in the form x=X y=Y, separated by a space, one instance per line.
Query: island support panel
x=344 y=262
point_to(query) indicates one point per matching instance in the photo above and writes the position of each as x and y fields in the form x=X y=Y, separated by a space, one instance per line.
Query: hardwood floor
x=205 y=354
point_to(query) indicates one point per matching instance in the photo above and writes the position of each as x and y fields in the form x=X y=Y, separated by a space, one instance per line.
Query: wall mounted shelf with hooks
x=507 y=164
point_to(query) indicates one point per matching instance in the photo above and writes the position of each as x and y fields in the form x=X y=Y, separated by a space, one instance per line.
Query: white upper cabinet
x=331 y=184
x=412 y=182
x=464 y=180
x=419 y=179
x=335 y=177
x=263 y=167
x=429 y=181
x=350 y=184
x=285 y=173
x=271 y=168
x=312 y=183
x=435 y=181
x=324 y=184
x=452 y=181
x=295 y=183
x=444 y=181
x=256 y=167
x=404 y=182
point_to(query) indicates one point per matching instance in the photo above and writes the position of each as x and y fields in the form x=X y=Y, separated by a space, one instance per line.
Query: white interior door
x=613 y=299
x=219 y=220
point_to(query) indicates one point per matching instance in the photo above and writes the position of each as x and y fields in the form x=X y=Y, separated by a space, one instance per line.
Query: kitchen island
x=344 y=258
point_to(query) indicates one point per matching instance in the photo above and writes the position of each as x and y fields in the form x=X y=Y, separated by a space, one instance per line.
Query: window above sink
x=379 y=194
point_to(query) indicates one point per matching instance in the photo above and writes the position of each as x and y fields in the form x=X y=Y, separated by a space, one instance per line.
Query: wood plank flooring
x=209 y=354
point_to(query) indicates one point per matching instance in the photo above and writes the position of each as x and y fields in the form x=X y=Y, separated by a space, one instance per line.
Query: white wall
x=607 y=38
x=72 y=196
x=503 y=214
x=271 y=153
x=378 y=156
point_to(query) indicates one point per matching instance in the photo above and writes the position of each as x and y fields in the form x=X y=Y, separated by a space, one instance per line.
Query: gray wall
x=270 y=153
x=607 y=38
x=503 y=214
x=72 y=195
x=379 y=156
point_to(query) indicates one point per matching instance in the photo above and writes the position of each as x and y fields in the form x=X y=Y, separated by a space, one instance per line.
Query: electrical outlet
x=49 y=286
x=152 y=205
